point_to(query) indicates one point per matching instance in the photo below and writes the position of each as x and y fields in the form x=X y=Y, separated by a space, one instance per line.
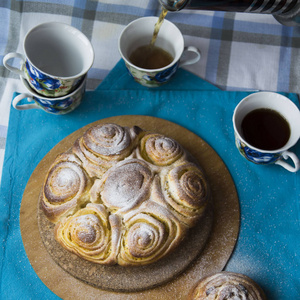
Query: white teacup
x=57 y=106
x=57 y=58
x=139 y=33
x=288 y=110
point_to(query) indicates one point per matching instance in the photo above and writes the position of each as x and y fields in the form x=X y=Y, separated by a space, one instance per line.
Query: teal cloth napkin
x=268 y=246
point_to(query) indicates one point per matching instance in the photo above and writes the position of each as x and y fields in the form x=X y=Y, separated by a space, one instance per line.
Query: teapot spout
x=174 y=5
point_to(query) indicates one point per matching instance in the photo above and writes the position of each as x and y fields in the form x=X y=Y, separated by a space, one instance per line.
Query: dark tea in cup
x=265 y=129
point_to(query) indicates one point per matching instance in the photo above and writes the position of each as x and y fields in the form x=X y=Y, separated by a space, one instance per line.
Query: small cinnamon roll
x=66 y=187
x=186 y=190
x=124 y=186
x=151 y=232
x=91 y=233
x=160 y=150
x=102 y=146
x=227 y=285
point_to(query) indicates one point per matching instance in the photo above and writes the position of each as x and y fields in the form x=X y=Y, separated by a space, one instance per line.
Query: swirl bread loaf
x=123 y=195
x=229 y=286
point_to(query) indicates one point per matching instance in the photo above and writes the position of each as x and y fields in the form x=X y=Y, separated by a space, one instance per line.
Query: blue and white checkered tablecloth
x=239 y=51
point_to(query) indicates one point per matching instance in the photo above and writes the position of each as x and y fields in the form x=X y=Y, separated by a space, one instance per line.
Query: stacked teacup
x=53 y=68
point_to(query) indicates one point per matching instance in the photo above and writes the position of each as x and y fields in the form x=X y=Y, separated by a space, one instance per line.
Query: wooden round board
x=213 y=258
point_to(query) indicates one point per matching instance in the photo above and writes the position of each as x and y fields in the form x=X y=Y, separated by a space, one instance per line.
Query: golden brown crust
x=160 y=150
x=102 y=146
x=66 y=187
x=227 y=285
x=91 y=233
x=151 y=232
x=185 y=189
x=128 y=197
x=126 y=185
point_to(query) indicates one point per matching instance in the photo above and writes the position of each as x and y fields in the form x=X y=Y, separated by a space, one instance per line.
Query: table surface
x=240 y=51
x=267 y=248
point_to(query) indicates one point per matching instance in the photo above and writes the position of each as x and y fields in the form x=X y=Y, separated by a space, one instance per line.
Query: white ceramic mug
x=288 y=110
x=139 y=33
x=57 y=58
x=57 y=106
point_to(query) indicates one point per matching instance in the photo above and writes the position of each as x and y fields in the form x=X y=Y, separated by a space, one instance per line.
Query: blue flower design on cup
x=57 y=106
x=152 y=79
x=165 y=75
x=39 y=80
x=255 y=156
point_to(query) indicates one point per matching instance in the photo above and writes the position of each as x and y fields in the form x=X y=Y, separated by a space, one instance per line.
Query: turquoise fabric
x=268 y=246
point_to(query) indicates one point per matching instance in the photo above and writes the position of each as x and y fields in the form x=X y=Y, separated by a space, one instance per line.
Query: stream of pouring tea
x=158 y=25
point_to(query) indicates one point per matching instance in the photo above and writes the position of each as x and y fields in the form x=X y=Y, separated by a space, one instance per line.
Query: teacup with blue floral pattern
x=286 y=108
x=49 y=86
x=57 y=106
x=139 y=33
x=57 y=58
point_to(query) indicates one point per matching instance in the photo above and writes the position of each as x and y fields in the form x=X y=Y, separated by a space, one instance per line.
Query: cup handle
x=185 y=62
x=11 y=55
x=22 y=96
x=293 y=157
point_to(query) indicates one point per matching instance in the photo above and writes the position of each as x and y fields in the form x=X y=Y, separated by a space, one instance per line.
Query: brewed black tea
x=265 y=129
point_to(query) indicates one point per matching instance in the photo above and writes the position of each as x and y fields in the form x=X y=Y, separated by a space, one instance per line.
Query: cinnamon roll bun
x=66 y=187
x=102 y=146
x=124 y=186
x=151 y=232
x=186 y=190
x=160 y=150
x=227 y=285
x=91 y=233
